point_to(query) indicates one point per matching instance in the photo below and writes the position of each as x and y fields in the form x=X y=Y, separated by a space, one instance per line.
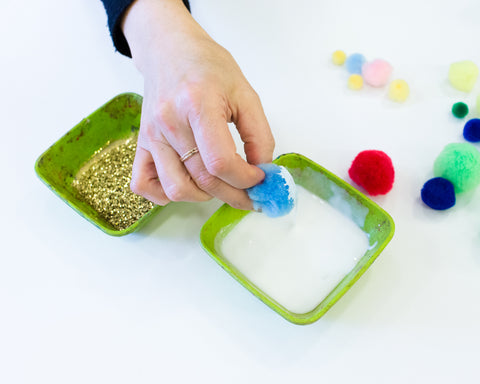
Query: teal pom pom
x=459 y=163
x=460 y=110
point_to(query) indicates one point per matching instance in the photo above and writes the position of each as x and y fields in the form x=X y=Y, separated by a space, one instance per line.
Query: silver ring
x=188 y=154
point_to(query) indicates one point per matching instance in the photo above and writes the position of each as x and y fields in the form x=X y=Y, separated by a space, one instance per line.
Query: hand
x=193 y=88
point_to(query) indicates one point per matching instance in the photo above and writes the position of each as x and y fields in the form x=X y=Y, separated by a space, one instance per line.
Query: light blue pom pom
x=355 y=62
x=275 y=195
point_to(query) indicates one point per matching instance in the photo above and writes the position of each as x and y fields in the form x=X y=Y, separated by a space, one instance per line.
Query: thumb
x=254 y=130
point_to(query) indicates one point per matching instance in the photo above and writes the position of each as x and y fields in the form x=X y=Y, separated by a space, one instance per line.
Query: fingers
x=176 y=181
x=159 y=173
x=254 y=129
x=218 y=150
x=237 y=198
x=182 y=141
x=145 y=180
x=187 y=181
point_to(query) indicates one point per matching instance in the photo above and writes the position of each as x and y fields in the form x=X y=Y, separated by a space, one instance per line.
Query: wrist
x=155 y=29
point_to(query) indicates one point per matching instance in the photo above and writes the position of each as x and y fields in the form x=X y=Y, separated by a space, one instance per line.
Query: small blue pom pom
x=471 y=131
x=275 y=195
x=355 y=62
x=438 y=193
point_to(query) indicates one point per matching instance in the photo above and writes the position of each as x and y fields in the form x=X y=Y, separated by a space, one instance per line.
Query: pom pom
x=373 y=170
x=460 y=110
x=463 y=75
x=377 y=72
x=471 y=131
x=276 y=194
x=438 y=193
x=459 y=163
x=339 y=57
x=355 y=82
x=355 y=62
x=398 y=90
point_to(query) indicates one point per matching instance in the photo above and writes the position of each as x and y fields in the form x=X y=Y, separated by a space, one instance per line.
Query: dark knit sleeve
x=115 y=10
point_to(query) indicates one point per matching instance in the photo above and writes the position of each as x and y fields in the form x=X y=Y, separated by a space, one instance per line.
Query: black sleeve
x=115 y=10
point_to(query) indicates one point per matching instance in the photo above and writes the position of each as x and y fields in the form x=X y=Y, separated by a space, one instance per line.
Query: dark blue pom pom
x=438 y=193
x=471 y=131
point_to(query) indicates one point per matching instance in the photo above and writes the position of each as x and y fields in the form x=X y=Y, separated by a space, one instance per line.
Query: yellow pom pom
x=355 y=82
x=399 y=90
x=339 y=57
x=463 y=75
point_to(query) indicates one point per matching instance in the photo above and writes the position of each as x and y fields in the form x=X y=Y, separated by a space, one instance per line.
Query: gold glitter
x=104 y=183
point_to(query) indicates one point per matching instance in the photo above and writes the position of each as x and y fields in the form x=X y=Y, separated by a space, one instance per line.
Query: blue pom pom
x=355 y=62
x=438 y=193
x=471 y=131
x=275 y=195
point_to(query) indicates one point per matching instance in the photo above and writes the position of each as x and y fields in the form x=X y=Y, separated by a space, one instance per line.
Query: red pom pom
x=373 y=170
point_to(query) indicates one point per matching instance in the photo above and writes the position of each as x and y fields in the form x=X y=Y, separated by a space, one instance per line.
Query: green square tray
x=117 y=119
x=374 y=221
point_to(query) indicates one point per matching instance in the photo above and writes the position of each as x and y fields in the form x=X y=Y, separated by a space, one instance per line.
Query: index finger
x=253 y=127
x=218 y=150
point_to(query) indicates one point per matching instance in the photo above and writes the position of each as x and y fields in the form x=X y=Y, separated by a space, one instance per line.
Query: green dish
x=118 y=119
x=374 y=221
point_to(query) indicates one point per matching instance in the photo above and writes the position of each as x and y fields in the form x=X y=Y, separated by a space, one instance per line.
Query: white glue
x=299 y=258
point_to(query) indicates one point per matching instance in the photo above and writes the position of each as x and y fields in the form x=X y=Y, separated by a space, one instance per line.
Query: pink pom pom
x=377 y=72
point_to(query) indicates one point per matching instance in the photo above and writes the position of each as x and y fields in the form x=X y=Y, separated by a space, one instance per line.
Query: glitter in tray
x=104 y=183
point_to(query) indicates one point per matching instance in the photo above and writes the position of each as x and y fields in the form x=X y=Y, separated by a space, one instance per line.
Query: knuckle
x=190 y=95
x=162 y=199
x=246 y=92
x=162 y=112
x=148 y=131
x=137 y=186
x=217 y=166
x=140 y=186
x=254 y=95
x=176 y=192
x=151 y=134
x=163 y=117
x=208 y=183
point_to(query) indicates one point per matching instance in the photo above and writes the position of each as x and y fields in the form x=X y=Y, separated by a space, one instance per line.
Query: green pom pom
x=460 y=110
x=459 y=163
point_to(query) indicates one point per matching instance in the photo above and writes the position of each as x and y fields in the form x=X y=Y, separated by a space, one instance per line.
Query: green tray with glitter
x=116 y=122
x=376 y=223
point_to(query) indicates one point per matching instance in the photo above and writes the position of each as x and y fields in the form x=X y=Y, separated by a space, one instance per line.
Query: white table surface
x=78 y=306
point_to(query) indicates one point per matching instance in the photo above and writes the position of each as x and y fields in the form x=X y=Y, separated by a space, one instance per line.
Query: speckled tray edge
x=118 y=118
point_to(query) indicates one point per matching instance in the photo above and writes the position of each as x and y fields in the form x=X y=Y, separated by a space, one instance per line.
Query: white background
x=78 y=306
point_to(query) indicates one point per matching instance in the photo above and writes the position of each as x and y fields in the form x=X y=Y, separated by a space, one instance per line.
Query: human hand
x=193 y=88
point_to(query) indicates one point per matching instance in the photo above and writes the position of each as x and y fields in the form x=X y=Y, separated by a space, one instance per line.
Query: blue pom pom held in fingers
x=275 y=196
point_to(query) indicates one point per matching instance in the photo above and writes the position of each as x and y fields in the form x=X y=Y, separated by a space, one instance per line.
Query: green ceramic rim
x=117 y=119
x=378 y=224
